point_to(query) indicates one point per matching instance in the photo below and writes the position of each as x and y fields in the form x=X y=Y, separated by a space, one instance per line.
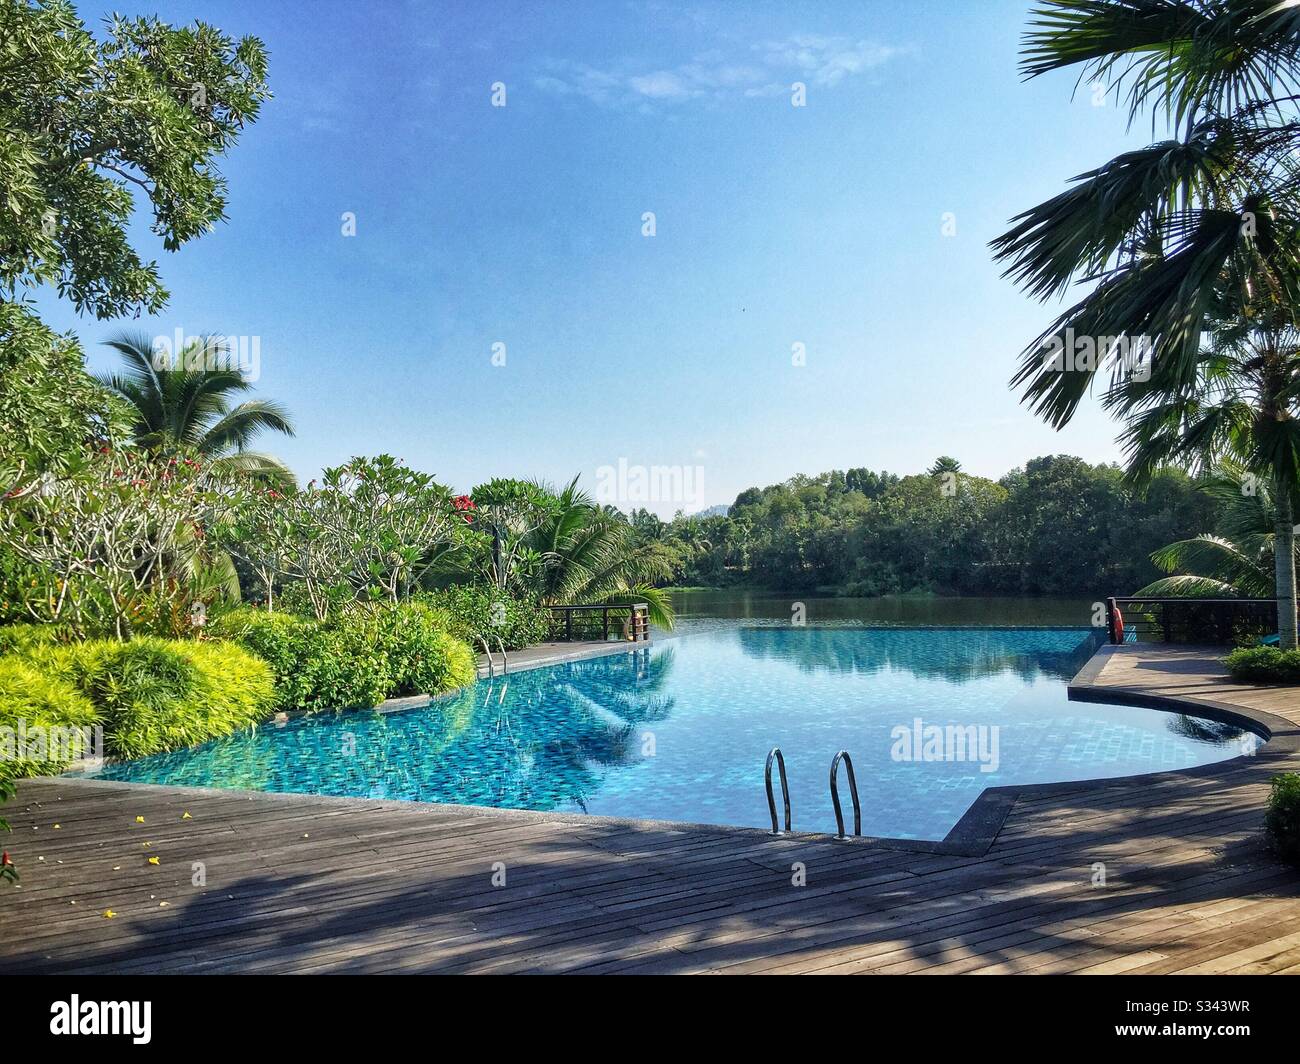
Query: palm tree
x=1243 y=404
x=1237 y=562
x=1195 y=229
x=589 y=554
x=1212 y=567
x=183 y=403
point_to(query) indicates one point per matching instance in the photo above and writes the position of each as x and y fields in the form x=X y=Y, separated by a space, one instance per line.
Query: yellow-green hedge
x=30 y=700
x=152 y=695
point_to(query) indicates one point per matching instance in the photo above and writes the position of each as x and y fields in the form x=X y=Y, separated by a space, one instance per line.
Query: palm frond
x=1215 y=558
x=1185 y=57
x=1187 y=587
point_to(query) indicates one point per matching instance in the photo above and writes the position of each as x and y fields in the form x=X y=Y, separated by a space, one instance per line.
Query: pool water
x=681 y=731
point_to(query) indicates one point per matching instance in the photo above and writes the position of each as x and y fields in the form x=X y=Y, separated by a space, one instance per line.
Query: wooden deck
x=535 y=657
x=309 y=884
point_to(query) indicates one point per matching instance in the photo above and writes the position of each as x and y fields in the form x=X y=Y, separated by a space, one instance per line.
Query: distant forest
x=1057 y=526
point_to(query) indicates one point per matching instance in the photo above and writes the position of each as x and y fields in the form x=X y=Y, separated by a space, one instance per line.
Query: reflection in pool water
x=680 y=731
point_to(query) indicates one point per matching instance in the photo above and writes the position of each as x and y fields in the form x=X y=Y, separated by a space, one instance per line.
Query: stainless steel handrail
x=488 y=651
x=504 y=664
x=785 y=789
x=843 y=755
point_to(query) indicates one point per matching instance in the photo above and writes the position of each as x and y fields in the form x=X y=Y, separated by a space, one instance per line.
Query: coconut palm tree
x=183 y=402
x=1197 y=229
x=1235 y=562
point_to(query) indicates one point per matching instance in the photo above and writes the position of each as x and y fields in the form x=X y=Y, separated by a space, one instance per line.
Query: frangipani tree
x=366 y=532
x=510 y=512
x=118 y=539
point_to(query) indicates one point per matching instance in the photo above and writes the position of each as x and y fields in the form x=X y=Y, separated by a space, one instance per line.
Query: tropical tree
x=944 y=464
x=183 y=402
x=117 y=540
x=90 y=123
x=1196 y=229
x=1211 y=566
x=1237 y=560
x=589 y=554
x=367 y=533
x=1242 y=404
x=509 y=513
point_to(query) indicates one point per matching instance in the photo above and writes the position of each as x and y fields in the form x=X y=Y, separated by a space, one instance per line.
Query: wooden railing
x=590 y=623
x=1186 y=620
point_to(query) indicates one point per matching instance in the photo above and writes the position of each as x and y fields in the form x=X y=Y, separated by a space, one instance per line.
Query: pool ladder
x=487 y=650
x=843 y=756
x=775 y=755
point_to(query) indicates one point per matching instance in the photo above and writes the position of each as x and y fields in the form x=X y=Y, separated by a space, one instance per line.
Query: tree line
x=1059 y=525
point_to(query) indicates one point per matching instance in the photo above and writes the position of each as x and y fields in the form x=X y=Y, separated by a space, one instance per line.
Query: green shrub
x=155 y=694
x=338 y=666
x=475 y=612
x=423 y=657
x=291 y=646
x=1282 y=821
x=1264 y=665
x=354 y=670
x=360 y=659
x=31 y=699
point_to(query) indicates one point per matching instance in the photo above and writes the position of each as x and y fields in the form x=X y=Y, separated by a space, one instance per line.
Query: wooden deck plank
x=302 y=883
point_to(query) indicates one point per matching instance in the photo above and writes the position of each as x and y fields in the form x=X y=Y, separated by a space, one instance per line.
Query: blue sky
x=775 y=225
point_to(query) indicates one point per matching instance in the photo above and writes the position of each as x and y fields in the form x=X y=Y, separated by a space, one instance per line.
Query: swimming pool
x=681 y=730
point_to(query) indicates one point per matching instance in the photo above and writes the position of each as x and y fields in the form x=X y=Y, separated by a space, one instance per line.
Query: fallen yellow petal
x=57 y=826
x=186 y=816
x=109 y=914
x=139 y=820
x=153 y=860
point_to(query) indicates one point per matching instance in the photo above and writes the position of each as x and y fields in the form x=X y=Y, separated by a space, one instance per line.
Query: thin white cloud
x=767 y=69
x=826 y=60
x=661 y=85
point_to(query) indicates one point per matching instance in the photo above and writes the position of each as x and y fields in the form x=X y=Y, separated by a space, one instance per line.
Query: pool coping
x=972 y=836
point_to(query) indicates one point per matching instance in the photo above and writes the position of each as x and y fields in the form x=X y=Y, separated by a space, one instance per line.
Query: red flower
x=5 y=859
